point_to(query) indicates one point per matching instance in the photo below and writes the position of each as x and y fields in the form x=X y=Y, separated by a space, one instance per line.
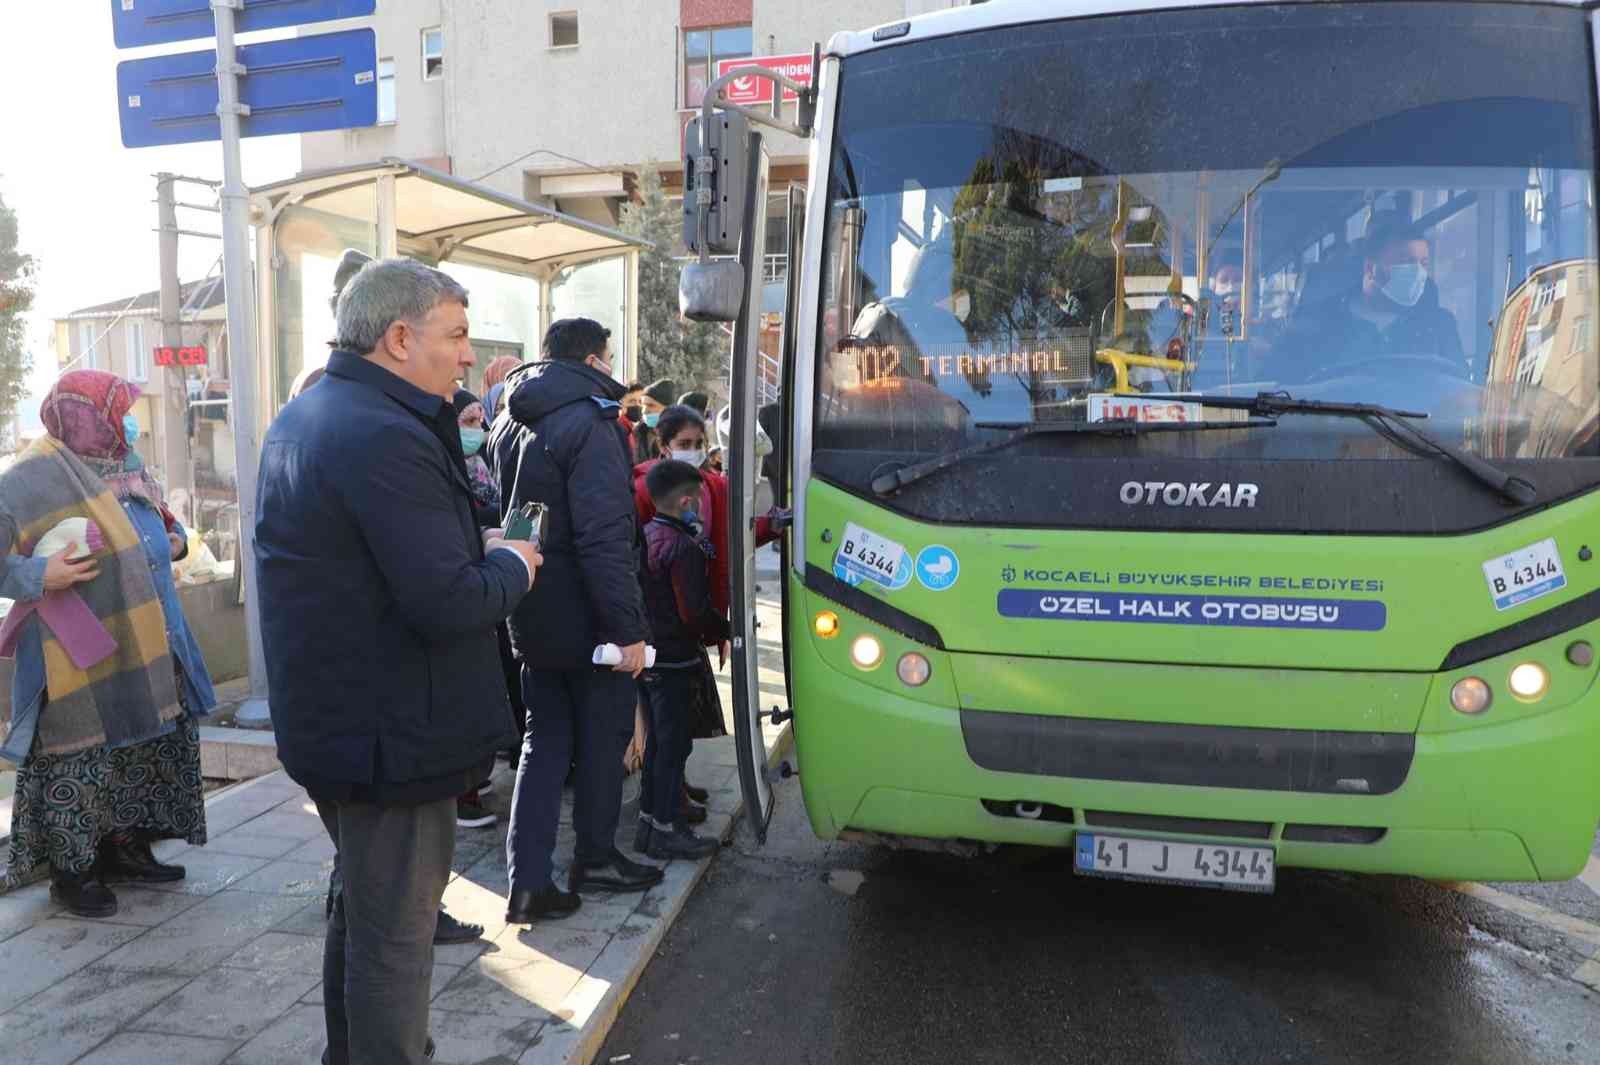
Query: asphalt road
x=806 y=952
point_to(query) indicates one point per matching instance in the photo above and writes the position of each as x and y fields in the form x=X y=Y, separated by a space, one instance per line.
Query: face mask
x=651 y=418
x=690 y=518
x=130 y=429
x=633 y=414
x=471 y=441
x=1406 y=282
x=693 y=458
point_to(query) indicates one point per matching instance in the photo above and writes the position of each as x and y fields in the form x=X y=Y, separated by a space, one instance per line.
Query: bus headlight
x=826 y=625
x=1529 y=681
x=913 y=669
x=1471 y=695
x=866 y=652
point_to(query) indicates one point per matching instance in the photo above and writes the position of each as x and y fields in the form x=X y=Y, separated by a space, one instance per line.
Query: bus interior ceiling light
x=913 y=670
x=826 y=625
x=1529 y=681
x=1471 y=695
x=866 y=652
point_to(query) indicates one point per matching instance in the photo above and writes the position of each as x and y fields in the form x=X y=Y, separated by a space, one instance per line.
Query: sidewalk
x=225 y=966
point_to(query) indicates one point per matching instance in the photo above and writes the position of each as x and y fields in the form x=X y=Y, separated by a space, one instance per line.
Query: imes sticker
x=867 y=557
x=937 y=567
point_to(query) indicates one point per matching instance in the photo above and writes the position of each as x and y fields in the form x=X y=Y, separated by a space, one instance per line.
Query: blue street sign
x=135 y=23
x=298 y=85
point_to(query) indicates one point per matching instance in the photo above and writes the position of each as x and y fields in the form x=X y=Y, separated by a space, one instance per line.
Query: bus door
x=783 y=478
x=743 y=474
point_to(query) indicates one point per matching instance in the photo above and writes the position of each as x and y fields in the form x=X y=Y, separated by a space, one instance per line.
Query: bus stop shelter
x=523 y=264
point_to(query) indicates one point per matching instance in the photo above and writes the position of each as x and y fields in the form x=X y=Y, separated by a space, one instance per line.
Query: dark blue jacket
x=378 y=607
x=558 y=443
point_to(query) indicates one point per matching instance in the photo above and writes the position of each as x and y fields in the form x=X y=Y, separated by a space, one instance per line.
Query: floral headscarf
x=84 y=411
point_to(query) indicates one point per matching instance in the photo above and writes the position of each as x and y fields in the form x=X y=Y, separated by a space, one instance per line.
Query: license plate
x=1222 y=865
x=1523 y=575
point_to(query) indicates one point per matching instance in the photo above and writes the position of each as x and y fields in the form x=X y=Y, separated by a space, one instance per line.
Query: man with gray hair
x=378 y=607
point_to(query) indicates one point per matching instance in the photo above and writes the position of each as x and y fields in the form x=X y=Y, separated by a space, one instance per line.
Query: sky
x=85 y=204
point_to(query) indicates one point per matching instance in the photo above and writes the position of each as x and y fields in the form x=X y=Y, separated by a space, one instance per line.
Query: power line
x=540 y=151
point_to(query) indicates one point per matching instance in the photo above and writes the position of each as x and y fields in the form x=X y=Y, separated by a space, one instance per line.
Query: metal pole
x=176 y=460
x=253 y=713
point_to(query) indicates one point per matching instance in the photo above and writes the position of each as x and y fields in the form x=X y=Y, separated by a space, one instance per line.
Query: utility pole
x=175 y=455
x=240 y=293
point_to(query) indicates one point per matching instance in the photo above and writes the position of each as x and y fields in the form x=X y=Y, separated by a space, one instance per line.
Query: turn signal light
x=1471 y=695
x=913 y=669
x=866 y=652
x=1529 y=681
x=826 y=625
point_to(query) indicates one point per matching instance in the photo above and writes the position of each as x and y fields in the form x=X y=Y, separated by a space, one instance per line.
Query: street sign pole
x=240 y=294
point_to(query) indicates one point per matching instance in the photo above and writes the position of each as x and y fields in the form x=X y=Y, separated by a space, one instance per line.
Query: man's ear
x=395 y=339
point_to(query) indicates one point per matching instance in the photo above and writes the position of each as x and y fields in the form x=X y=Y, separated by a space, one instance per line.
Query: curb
x=605 y=1016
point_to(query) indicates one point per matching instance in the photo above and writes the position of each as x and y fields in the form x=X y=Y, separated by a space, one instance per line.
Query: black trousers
x=671 y=693
x=377 y=960
x=582 y=716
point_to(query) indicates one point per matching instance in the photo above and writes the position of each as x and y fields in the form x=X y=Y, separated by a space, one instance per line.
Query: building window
x=703 y=49
x=138 y=352
x=385 y=91
x=564 y=30
x=87 y=356
x=432 y=54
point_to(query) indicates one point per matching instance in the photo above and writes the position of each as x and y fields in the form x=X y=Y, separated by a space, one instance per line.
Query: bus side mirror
x=711 y=292
x=721 y=167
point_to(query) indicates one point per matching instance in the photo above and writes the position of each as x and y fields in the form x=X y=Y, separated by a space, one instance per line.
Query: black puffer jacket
x=558 y=443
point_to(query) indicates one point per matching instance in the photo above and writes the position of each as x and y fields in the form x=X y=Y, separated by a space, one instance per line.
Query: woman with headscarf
x=109 y=679
x=494 y=376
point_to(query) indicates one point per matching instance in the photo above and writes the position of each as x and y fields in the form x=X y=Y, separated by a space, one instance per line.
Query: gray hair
x=388 y=291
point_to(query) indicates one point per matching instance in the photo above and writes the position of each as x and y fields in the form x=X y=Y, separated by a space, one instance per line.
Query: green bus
x=1191 y=416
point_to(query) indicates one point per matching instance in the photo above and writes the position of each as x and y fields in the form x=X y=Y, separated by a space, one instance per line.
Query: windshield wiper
x=1393 y=425
x=892 y=482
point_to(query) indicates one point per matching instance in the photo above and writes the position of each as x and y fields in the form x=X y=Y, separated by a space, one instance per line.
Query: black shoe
x=471 y=813
x=450 y=930
x=700 y=795
x=615 y=873
x=526 y=907
x=692 y=812
x=641 y=837
x=134 y=861
x=681 y=843
x=83 y=894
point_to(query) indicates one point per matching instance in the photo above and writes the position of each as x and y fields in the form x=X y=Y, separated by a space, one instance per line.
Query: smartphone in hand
x=528 y=522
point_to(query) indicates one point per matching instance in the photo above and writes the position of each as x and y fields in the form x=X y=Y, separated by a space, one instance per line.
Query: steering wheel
x=1388 y=366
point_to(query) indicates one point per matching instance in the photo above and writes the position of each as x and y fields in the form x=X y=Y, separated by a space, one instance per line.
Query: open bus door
x=725 y=205
x=744 y=469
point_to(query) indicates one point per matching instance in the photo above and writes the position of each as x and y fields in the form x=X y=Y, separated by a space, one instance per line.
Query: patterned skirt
x=705 y=704
x=67 y=804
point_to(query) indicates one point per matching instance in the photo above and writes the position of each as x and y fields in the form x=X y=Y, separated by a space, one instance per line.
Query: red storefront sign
x=194 y=355
x=754 y=90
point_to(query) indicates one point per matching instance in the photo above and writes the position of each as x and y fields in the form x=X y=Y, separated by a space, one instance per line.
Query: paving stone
x=290 y=825
x=316 y=849
x=79 y=1013
x=280 y=952
x=556 y=1044
x=509 y=987
x=139 y=905
x=307 y=880
x=309 y=920
x=573 y=947
x=152 y=1048
x=473 y=1038
x=209 y=873
x=20 y=910
x=202 y=937
x=231 y=1004
x=33 y=960
x=246 y=842
x=597 y=914
x=296 y=1038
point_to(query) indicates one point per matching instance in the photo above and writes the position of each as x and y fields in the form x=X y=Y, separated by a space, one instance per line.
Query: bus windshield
x=1084 y=220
